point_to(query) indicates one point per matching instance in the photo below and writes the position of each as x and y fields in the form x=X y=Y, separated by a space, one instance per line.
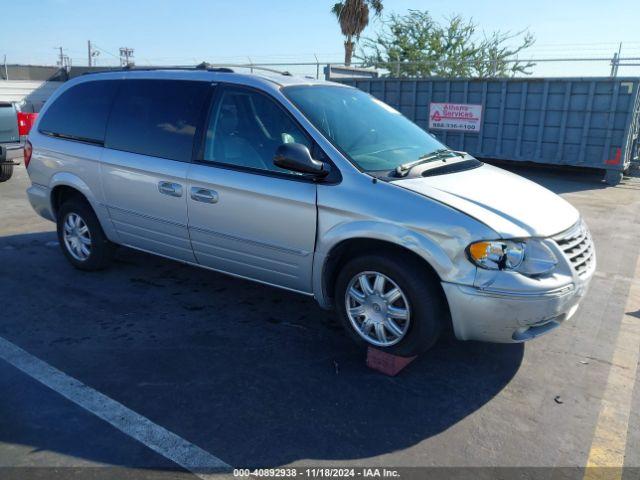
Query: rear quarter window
x=157 y=117
x=81 y=112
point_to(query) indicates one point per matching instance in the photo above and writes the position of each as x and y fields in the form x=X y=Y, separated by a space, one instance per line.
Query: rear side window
x=81 y=112
x=157 y=117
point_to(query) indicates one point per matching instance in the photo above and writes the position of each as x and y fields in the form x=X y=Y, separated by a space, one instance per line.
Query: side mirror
x=296 y=157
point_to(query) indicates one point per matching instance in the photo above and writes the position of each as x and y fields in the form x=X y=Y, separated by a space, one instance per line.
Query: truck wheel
x=390 y=303
x=81 y=237
x=6 y=170
x=613 y=177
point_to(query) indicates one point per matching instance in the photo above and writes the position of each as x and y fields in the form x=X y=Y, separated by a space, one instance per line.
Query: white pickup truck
x=14 y=126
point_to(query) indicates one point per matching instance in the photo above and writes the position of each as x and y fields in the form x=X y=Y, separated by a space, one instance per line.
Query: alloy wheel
x=76 y=236
x=377 y=308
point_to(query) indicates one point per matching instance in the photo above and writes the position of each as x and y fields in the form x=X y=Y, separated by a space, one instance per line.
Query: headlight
x=529 y=257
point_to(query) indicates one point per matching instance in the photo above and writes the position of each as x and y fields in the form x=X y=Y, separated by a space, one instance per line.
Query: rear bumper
x=13 y=151
x=510 y=317
x=39 y=199
x=13 y=146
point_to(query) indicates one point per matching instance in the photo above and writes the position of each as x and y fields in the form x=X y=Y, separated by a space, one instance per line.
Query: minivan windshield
x=371 y=133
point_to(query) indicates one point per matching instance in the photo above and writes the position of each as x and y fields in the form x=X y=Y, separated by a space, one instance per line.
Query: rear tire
x=6 y=171
x=420 y=297
x=613 y=177
x=81 y=237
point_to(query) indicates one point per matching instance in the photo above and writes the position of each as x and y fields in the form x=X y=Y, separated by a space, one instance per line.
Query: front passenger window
x=246 y=128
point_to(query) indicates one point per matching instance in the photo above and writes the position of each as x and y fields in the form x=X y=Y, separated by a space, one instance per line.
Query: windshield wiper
x=403 y=170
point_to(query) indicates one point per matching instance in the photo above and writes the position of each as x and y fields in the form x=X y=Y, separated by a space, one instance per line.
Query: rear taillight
x=25 y=122
x=22 y=124
x=28 y=150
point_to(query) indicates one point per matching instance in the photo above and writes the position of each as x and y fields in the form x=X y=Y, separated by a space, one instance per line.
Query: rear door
x=247 y=216
x=149 y=144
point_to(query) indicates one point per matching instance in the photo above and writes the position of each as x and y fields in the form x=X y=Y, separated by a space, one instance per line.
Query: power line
x=105 y=51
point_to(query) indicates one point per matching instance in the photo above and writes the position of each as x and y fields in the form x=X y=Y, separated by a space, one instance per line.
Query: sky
x=180 y=32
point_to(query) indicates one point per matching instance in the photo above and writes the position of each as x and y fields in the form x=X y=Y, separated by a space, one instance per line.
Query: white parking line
x=153 y=436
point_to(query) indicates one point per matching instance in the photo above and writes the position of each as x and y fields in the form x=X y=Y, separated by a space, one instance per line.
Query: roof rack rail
x=228 y=67
x=133 y=68
x=213 y=68
x=221 y=68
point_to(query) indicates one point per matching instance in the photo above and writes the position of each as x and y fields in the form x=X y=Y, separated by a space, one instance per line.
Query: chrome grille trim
x=577 y=245
x=572 y=242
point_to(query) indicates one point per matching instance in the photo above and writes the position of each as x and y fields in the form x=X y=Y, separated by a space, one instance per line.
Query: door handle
x=171 y=189
x=204 y=195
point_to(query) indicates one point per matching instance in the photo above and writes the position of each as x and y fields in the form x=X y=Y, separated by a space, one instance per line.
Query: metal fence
x=596 y=66
x=538 y=66
x=586 y=122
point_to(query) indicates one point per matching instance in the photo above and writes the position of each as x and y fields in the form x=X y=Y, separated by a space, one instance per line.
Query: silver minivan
x=312 y=187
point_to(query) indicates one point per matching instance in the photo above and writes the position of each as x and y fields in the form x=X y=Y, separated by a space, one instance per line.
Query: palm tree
x=353 y=17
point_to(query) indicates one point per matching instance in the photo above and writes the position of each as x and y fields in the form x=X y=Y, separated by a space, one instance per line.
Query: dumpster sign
x=459 y=117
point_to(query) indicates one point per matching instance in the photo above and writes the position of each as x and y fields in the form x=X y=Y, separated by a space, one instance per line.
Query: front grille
x=577 y=245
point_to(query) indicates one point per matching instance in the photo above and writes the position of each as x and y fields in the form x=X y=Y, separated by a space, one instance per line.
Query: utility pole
x=61 y=58
x=615 y=62
x=125 y=55
x=91 y=53
x=64 y=62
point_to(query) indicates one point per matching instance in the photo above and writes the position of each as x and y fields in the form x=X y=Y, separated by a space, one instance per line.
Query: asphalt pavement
x=260 y=377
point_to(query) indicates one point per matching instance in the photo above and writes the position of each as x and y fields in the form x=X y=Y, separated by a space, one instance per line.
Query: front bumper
x=509 y=307
x=510 y=317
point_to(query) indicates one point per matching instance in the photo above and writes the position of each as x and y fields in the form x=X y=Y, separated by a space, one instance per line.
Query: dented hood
x=509 y=204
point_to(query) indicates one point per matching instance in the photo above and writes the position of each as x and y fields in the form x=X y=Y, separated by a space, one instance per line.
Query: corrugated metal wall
x=33 y=93
x=569 y=121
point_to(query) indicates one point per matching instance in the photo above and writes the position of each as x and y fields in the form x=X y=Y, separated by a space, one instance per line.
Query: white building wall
x=30 y=94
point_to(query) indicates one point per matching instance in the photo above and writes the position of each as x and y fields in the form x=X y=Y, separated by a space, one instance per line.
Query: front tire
x=81 y=237
x=390 y=303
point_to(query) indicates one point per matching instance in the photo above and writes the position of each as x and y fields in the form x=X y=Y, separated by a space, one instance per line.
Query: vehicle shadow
x=255 y=375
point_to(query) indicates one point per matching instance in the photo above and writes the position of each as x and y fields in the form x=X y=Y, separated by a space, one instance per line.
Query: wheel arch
x=66 y=185
x=397 y=240
x=62 y=193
